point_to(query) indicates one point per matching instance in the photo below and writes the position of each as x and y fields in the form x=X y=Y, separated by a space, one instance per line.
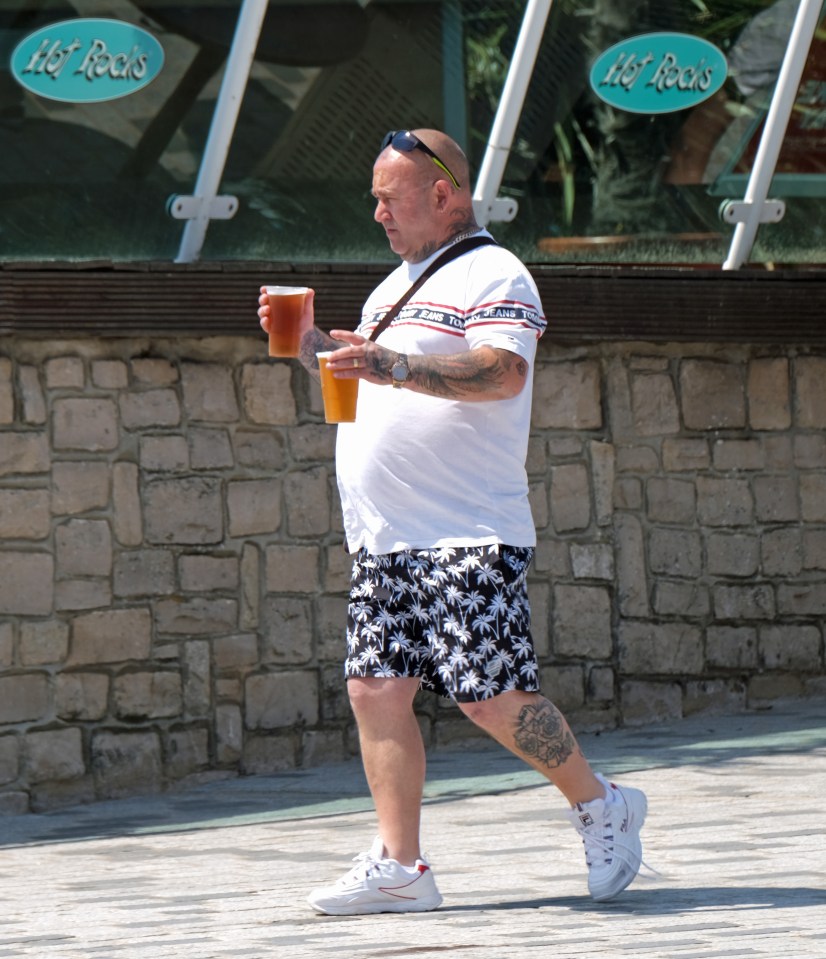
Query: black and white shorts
x=458 y=618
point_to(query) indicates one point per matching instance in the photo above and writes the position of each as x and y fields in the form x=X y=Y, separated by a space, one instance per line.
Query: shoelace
x=596 y=843
x=365 y=865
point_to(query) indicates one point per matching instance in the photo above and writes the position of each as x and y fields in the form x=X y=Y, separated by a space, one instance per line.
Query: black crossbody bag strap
x=463 y=246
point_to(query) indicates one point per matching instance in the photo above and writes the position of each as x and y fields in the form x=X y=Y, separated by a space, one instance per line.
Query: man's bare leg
x=393 y=755
x=532 y=728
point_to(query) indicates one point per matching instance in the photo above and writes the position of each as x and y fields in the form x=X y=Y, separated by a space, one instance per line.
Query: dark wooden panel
x=582 y=303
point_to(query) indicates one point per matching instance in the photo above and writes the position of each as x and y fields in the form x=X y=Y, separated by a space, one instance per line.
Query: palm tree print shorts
x=458 y=618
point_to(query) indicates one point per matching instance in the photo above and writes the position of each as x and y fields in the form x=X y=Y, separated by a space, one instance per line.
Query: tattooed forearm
x=312 y=342
x=542 y=734
x=480 y=374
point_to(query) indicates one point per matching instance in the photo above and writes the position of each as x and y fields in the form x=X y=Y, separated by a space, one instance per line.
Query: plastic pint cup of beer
x=286 y=307
x=339 y=395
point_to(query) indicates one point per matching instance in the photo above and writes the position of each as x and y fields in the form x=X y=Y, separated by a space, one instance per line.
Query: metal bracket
x=193 y=207
x=738 y=211
x=500 y=210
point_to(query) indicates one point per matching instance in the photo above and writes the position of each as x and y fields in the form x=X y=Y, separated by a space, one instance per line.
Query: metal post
x=485 y=203
x=788 y=80
x=203 y=206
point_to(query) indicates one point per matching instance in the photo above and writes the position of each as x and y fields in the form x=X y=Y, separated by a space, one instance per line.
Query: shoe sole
x=637 y=806
x=373 y=908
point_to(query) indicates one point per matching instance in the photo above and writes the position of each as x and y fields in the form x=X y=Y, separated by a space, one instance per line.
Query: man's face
x=406 y=205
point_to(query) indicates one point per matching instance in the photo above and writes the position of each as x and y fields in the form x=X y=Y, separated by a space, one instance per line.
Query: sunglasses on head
x=407 y=142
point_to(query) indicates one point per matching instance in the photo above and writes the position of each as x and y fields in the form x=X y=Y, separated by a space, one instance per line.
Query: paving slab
x=735 y=841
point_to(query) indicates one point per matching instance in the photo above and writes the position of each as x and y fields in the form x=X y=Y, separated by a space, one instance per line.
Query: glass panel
x=594 y=182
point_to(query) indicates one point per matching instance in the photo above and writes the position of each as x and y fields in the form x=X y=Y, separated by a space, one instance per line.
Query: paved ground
x=736 y=830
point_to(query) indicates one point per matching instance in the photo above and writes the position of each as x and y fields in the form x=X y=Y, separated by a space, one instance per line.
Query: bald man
x=435 y=504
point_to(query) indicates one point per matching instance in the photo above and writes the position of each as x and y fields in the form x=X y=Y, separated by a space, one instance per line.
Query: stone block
x=127 y=520
x=188 y=511
x=209 y=392
x=564 y=447
x=552 y=557
x=724 y=501
x=23 y=453
x=801 y=599
x=9 y=760
x=810 y=392
x=137 y=697
x=781 y=552
x=264 y=755
x=570 y=497
x=6 y=391
x=43 y=643
x=603 y=472
x=110 y=636
x=254 y=506
x=312 y=442
x=775 y=499
x=149 y=409
x=186 y=752
x=637 y=459
x=765 y=687
x=287 y=630
x=210 y=449
x=259 y=449
x=250 y=592
x=78 y=487
x=32 y=397
x=733 y=554
x=791 y=648
x=814 y=549
x=628 y=493
x=81 y=696
x=600 y=684
x=168 y=454
x=330 y=632
x=768 y=394
x=267 y=393
x=282 y=699
x=539 y=598
x=777 y=448
x=195 y=662
x=154 y=372
x=307 y=502
x=592 y=561
x=810 y=451
x=675 y=552
x=77 y=594
x=681 y=598
x=714 y=697
x=564 y=686
x=644 y=703
x=6 y=644
x=567 y=396
x=651 y=649
x=538 y=502
x=26 y=583
x=24 y=698
x=731 y=647
x=110 y=374
x=54 y=755
x=200 y=573
x=83 y=547
x=582 y=621
x=126 y=763
x=744 y=602
x=321 y=747
x=235 y=652
x=229 y=733
x=670 y=500
x=338 y=568
x=197 y=616
x=685 y=455
x=813 y=497
x=25 y=514
x=712 y=394
x=736 y=454
x=85 y=424
x=143 y=573
x=65 y=372
x=632 y=581
x=654 y=405
x=292 y=569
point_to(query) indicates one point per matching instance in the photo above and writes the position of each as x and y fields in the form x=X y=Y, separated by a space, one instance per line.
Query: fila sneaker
x=610 y=832
x=376 y=884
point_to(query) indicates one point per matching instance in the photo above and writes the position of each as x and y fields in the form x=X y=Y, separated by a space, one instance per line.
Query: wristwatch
x=400 y=371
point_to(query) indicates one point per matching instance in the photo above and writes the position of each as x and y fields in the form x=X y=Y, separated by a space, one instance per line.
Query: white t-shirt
x=417 y=471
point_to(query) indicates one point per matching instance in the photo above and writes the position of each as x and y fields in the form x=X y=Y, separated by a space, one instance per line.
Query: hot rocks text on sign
x=627 y=69
x=51 y=58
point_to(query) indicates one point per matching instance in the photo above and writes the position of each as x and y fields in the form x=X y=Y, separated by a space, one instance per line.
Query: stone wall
x=172 y=580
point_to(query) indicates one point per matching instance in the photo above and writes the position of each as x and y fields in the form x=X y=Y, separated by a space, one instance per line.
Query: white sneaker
x=376 y=884
x=610 y=831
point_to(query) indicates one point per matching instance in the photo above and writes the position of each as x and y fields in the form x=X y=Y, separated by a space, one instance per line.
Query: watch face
x=400 y=370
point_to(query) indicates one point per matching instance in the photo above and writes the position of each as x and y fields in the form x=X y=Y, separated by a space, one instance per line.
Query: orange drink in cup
x=339 y=395
x=286 y=307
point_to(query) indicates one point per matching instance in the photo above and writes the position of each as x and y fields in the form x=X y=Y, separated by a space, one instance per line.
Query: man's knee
x=370 y=694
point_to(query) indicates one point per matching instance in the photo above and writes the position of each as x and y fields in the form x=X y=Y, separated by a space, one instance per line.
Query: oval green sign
x=86 y=60
x=658 y=73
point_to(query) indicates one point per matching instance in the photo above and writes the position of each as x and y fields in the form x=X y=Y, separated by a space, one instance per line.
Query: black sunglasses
x=407 y=142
